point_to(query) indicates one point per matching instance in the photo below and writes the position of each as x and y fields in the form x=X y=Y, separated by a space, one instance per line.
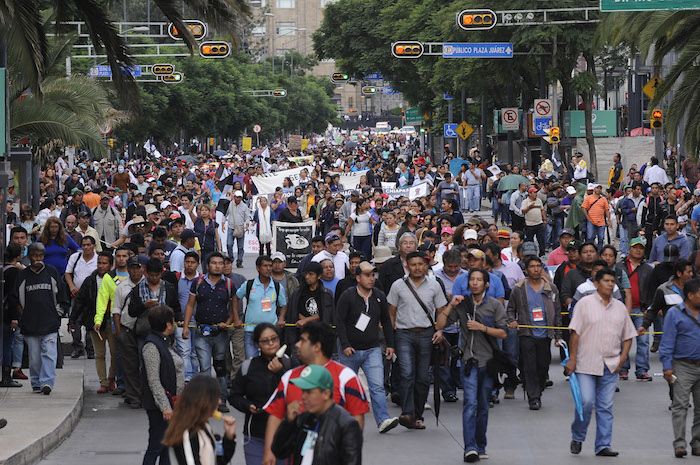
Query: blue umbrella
x=573 y=384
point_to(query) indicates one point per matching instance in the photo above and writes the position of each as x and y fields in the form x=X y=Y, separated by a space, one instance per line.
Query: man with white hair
x=238 y=216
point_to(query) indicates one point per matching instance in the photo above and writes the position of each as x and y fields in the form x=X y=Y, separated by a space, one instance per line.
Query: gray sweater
x=151 y=361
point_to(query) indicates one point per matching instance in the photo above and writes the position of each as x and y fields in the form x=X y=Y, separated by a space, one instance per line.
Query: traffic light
x=162 y=69
x=111 y=143
x=170 y=78
x=475 y=20
x=552 y=135
x=369 y=90
x=407 y=49
x=339 y=77
x=656 y=119
x=197 y=28
x=279 y=93
x=214 y=49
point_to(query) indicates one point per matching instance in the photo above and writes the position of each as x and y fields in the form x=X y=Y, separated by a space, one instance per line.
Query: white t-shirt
x=81 y=269
x=340 y=261
x=360 y=225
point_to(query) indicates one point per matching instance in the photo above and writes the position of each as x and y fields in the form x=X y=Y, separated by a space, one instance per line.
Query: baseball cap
x=88 y=189
x=474 y=221
x=175 y=215
x=83 y=214
x=503 y=234
x=638 y=241
x=187 y=234
x=571 y=190
x=671 y=253
x=529 y=248
x=476 y=253
x=330 y=237
x=165 y=204
x=590 y=186
x=136 y=260
x=697 y=192
x=313 y=267
x=355 y=192
x=568 y=231
x=364 y=267
x=314 y=376
x=575 y=244
x=470 y=234
x=278 y=256
x=104 y=195
x=238 y=194
x=446 y=230
x=382 y=253
x=555 y=186
x=532 y=189
x=427 y=247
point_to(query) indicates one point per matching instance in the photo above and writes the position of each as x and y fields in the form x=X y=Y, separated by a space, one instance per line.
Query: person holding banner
x=263 y=218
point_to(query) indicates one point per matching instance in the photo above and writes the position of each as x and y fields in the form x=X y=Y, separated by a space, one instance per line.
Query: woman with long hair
x=205 y=227
x=360 y=223
x=263 y=218
x=189 y=438
x=162 y=379
x=59 y=246
x=28 y=221
x=252 y=387
x=287 y=186
x=60 y=202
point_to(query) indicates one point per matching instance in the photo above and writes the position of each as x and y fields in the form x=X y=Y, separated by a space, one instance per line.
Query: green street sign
x=413 y=116
x=604 y=123
x=648 y=5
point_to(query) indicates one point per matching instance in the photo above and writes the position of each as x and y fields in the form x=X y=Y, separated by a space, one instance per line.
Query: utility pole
x=464 y=118
x=450 y=120
x=510 y=133
x=484 y=133
x=5 y=169
x=543 y=94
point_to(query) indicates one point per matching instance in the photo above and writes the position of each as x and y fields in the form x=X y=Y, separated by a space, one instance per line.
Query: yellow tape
x=566 y=328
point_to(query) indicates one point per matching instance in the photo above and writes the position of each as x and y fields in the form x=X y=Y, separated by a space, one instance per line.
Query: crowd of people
x=141 y=255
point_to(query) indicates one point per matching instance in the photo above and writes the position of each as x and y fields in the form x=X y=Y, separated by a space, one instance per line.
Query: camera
x=456 y=352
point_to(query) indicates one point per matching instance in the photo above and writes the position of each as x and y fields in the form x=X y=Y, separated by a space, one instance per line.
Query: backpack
x=249 y=287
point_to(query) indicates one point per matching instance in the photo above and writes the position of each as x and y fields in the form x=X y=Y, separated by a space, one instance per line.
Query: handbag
x=238 y=231
x=501 y=366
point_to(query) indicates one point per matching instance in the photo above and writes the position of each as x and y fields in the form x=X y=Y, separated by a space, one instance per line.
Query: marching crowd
x=142 y=254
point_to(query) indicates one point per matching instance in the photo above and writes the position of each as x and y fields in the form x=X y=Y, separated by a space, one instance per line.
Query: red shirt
x=347 y=391
x=634 y=283
x=557 y=257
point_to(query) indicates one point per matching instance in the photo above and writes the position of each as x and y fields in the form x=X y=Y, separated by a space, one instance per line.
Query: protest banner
x=293 y=240
x=294 y=142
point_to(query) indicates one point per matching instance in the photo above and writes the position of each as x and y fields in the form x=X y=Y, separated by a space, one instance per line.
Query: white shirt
x=655 y=174
x=340 y=261
x=580 y=170
x=80 y=268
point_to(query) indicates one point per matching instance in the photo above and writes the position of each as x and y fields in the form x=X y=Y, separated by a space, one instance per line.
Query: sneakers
x=17 y=374
x=483 y=456
x=102 y=390
x=624 y=375
x=654 y=347
x=509 y=395
x=46 y=389
x=427 y=406
x=575 y=447
x=471 y=456
x=388 y=424
x=535 y=405
x=644 y=377
x=548 y=383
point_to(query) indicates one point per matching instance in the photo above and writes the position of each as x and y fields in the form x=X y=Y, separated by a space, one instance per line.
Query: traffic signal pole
x=464 y=118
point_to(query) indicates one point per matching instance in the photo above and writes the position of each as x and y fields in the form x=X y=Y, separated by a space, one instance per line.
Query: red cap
x=532 y=189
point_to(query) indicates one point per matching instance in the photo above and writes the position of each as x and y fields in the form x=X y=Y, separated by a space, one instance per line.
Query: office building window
x=286 y=29
x=258 y=31
x=257 y=3
x=286 y=3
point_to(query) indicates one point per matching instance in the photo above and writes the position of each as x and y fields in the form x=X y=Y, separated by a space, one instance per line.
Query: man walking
x=679 y=353
x=670 y=236
x=238 y=216
x=358 y=315
x=596 y=209
x=600 y=325
x=414 y=303
x=516 y=201
x=535 y=217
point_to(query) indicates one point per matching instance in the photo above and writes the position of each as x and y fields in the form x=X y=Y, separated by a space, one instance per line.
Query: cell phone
x=673 y=378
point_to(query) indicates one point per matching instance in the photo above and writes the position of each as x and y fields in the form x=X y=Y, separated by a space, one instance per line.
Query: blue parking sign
x=451 y=130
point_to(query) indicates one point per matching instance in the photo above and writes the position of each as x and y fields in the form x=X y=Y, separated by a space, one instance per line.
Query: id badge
x=537 y=314
x=309 y=442
x=362 y=322
x=266 y=303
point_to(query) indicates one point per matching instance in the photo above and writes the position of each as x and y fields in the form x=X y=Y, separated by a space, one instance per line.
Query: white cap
x=238 y=194
x=165 y=204
x=470 y=234
x=590 y=186
x=571 y=190
x=278 y=256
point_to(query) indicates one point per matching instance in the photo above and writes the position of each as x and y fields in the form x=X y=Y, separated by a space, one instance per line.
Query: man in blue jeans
x=237 y=218
x=480 y=317
x=414 y=302
x=358 y=314
x=599 y=327
x=212 y=294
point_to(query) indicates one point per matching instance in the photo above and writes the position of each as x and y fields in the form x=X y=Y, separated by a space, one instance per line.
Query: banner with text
x=266 y=183
x=293 y=240
x=411 y=192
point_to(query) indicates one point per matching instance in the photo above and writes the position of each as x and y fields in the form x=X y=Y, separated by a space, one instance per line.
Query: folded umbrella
x=573 y=383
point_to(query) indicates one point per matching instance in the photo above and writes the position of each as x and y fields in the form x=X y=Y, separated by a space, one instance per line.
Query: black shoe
x=223 y=408
x=396 y=398
x=617 y=389
x=91 y=356
x=3 y=423
x=494 y=399
x=46 y=389
x=535 y=405
x=471 y=456
x=548 y=383
x=36 y=389
x=118 y=391
x=607 y=452
x=680 y=452
x=451 y=398
x=575 y=447
x=77 y=353
x=9 y=383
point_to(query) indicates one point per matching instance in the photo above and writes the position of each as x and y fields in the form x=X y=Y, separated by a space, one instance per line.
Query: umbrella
x=436 y=383
x=350 y=144
x=511 y=182
x=256 y=152
x=573 y=383
x=187 y=158
x=220 y=153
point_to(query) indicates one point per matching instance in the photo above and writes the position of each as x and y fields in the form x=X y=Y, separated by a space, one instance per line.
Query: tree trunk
x=588 y=115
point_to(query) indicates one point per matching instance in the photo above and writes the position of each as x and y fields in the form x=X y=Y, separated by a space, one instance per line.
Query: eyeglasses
x=271 y=340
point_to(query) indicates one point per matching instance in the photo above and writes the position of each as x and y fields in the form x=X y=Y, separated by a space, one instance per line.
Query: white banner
x=411 y=192
x=266 y=183
x=350 y=180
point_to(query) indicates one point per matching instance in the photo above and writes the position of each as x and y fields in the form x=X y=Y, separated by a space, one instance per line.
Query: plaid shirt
x=146 y=293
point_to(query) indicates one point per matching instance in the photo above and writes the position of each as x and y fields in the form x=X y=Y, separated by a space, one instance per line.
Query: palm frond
x=26 y=43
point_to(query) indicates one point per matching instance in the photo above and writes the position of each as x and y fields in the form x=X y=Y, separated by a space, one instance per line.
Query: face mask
x=120 y=169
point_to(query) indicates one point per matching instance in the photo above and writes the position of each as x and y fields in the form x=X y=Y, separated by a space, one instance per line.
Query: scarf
x=207 y=454
x=264 y=227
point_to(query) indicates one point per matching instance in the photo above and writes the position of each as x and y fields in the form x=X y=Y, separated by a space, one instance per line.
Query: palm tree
x=661 y=33
x=23 y=31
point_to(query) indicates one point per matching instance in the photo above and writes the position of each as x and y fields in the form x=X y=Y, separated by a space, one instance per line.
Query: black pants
x=518 y=222
x=156 y=431
x=261 y=252
x=78 y=340
x=649 y=235
x=535 y=357
x=129 y=351
x=538 y=231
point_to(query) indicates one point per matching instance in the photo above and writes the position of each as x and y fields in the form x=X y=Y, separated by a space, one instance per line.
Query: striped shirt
x=601 y=329
x=596 y=208
x=347 y=391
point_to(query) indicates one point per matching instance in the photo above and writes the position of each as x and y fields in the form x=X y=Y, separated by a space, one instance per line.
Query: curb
x=40 y=448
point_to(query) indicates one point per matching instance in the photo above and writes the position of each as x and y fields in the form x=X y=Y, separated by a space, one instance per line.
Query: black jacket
x=339 y=439
x=571 y=281
x=391 y=271
x=85 y=305
x=177 y=452
x=136 y=306
x=644 y=274
x=11 y=304
x=43 y=298
x=291 y=334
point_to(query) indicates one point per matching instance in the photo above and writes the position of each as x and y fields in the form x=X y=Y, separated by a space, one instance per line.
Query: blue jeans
x=363 y=244
x=449 y=375
x=596 y=231
x=17 y=349
x=251 y=348
x=495 y=208
x=253 y=449
x=208 y=347
x=511 y=345
x=474 y=198
x=184 y=348
x=414 y=350
x=43 y=352
x=624 y=240
x=8 y=338
x=475 y=414
x=370 y=360
x=239 y=244
x=505 y=214
x=641 y=360
x=553 y=232
x=598 y=391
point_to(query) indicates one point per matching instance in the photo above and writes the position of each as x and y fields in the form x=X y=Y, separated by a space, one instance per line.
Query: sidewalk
x=36 y=423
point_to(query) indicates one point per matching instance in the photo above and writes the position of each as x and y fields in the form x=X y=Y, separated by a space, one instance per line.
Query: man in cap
x=334 y=252
x=555 y=215
x=470 y=237
x=177 y=256
x=299 y=433
x=580 y=169
x=535 y=217
x=91 y=199
x=237 y=216
x=670 y=236
x=358 y=316
x=285 y=278
x=559 y=255
x=596 y=209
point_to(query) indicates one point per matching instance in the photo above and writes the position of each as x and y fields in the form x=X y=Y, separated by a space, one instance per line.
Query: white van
x=383 y=128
